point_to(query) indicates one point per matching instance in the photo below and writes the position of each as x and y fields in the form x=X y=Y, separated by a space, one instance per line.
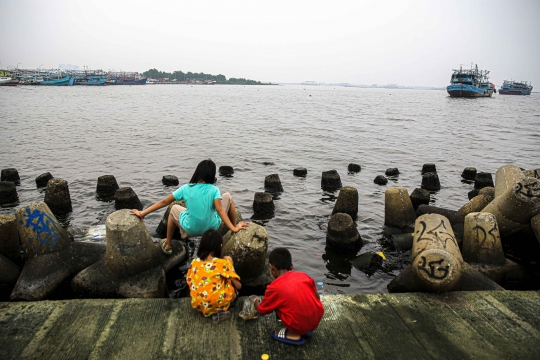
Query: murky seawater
x=141 y=133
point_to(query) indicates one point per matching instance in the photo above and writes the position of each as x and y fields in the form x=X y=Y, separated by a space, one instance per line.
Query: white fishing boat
x=6 y=79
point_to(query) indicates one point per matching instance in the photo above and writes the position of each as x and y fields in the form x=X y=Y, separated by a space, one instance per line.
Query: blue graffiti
x=43 y=225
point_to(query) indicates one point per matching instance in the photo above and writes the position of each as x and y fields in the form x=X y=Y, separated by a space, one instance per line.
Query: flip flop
x=162 y=246
x=282 y=337
x=308 y=335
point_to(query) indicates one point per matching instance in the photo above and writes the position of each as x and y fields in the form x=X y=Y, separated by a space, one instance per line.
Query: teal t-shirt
x=201 y=213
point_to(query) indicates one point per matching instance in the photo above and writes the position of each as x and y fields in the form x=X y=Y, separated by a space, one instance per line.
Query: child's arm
x=225 y=218
x=237 y=284
x=160 y=204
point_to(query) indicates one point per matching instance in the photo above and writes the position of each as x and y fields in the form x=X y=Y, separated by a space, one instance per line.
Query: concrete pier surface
x=456 y=325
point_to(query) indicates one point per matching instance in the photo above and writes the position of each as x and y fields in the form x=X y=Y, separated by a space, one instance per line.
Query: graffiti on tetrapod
x=43 y=226
x=432 y=268
x=442 y=235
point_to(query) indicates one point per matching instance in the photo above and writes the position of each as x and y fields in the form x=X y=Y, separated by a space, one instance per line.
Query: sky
x=359 y=42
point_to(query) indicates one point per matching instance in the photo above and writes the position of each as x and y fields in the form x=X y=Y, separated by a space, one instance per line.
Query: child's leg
x=228 y=205
x=172 y=223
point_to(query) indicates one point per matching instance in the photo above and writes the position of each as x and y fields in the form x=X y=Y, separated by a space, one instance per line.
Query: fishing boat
x=65 y=81
x=470 y=83
x=6 y=79
x=511 y=87
x=128 y=81
x=91 y=80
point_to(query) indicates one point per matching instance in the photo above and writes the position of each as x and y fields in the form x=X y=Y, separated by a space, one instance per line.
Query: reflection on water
x=141 y=133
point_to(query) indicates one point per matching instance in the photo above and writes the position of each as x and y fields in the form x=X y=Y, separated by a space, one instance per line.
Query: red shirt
x=292 y=296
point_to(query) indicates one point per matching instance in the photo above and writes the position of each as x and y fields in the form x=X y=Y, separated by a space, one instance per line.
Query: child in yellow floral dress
x=212 y=281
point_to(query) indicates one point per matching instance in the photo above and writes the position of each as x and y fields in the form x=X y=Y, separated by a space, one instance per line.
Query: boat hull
x=8 y=82
x=514 y=92
x=129 y=82
x=463 y=90
x=67 y=81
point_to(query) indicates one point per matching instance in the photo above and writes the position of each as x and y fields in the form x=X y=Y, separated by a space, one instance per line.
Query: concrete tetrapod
x=248 y=249
x=347 y=202
x=435 y=253
x=8 y=192
x=476 y=204
x=330 y=180
x=9 y=273
x=516 y=206
x=342 y=234
x=106 y=186
x=133 y=265
x=161 y=229
x=9 y=239
x=52 y=258
x=272 y=183
x=535 y=223
x=263 y=203
x=57 y=196
x=482 y=248
x=398 y=208
x=505 y=178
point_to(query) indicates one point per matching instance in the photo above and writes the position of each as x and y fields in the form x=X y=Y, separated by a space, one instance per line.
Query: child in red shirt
x=293 y=296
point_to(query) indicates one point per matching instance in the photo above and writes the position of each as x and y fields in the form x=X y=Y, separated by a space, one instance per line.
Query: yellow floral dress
x=210 y=285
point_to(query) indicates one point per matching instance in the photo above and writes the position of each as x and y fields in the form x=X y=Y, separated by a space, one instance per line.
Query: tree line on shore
x=181 y=76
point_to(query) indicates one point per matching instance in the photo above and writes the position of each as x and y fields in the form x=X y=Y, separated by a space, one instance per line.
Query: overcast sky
x=359 y=42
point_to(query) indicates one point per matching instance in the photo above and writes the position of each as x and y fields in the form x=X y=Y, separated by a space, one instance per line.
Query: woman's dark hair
x=205 y=171
x=281 y=259
x=211 y=242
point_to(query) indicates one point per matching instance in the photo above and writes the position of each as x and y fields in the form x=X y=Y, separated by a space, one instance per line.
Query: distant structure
x=310 y=83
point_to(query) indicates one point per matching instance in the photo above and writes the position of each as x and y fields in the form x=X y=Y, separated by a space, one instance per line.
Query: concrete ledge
x=457 y=325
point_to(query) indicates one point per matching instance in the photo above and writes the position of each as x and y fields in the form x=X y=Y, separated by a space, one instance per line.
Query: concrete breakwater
x=130 y=265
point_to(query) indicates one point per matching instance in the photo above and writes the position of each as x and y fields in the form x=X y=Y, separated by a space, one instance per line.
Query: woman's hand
x=240 y=226
x=137 y=213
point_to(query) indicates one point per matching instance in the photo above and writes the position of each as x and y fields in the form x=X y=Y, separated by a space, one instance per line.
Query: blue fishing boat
x=91 y=80
x=65 y=81
x=515 y=88
x=470 y=83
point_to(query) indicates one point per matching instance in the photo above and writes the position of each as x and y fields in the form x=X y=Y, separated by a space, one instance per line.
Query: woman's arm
x=160 y=204
x=225 y=218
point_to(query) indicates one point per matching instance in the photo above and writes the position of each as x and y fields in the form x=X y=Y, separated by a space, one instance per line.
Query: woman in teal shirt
x=205 y=207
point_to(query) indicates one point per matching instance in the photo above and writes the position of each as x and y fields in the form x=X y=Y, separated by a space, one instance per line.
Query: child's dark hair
x=281 y=259
x=205 y=171
x=211 y=242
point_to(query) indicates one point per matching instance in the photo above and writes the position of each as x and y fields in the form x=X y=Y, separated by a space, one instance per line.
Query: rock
x=106 y=186
x=342 y=235
x=430 y=182
x=133 y=266
x=259 y=284
x=39 y=230
x=482 y=180
x=347 y=202
x=9 y=239
x=161 y=229
x=516 y=206
x=57 y=197
x=248 y=249
x=535 y=224
x=449 y=214
x=469 y=173
x=10 y=174
x=43 y=179
x=481 y=240
x=272 y=183
x=420 y=196
x=125 y=198
x=9 y=274
x=330 y=180
x=380 y=180
x=8 y=193
x=402 y=242
x=487 y=191
x=436 y=259
x=368 y=262
x=354 y=168
x=398 y=208
x=429 y=168
x=225 y=170
x=263 y=203
x=43 y=274
x=392 y=172
x=300 y=172
x=170 y=180
x=505 y=178
x=475 y=205
x=473 y=193
x=535 y=173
